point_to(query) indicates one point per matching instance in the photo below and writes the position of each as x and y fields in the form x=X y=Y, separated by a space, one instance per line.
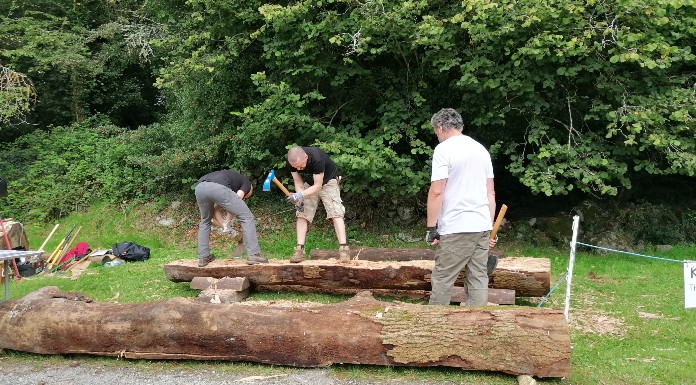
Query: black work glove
x=431 y=235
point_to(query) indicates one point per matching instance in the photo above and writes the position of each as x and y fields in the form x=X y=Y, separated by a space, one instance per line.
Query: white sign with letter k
x=689 y=284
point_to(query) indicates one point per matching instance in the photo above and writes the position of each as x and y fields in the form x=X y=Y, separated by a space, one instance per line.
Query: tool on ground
x=272 y=178
x=492 y=259
x=67 y=246
x=50 y=257
x=78 y=261
x=49 y=237
x=62 y=265
x=9 y=247
x=80 y=250
x=54 y=255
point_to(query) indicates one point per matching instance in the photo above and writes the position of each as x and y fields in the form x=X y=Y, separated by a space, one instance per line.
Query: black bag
x=131 y=252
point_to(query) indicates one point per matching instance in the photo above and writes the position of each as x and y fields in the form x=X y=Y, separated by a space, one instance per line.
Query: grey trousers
x=209 y=193
x=468 y=251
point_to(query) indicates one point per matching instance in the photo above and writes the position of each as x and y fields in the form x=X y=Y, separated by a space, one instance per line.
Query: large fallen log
x=383 y=254
x=529 y=277
x=514 y=340
x=495 y=296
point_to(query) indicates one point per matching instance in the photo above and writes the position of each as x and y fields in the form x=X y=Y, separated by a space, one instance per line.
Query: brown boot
x=298 y=255
x=343 y=254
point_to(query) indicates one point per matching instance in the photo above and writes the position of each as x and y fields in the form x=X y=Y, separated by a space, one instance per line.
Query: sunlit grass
x=628 y=324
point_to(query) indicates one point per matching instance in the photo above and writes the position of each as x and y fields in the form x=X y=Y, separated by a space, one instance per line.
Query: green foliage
x=659 y=224
x=50 y=49
x=55 y=173
x=169 y=157
x=82 y=57
x=571 y=96
x=359 y=98
x=268 y=127
x=589 y=93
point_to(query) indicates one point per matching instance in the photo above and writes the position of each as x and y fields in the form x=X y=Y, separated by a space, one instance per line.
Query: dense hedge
x=571 y=96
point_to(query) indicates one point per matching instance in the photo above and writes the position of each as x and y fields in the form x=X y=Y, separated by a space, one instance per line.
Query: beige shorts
x=330 y=196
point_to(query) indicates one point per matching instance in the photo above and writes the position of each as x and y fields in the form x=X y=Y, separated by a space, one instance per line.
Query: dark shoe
x=254 y=259
x=203 y=262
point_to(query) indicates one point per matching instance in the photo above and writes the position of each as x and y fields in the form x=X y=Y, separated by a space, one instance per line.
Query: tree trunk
x=514 y=340
x=529 y=277
x=496 y=296
x=382 y=254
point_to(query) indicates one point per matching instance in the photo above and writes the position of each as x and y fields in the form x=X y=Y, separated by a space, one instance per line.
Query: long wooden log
x=362 y=330
x=383 y=254
x=529 y=277
x=496 y=296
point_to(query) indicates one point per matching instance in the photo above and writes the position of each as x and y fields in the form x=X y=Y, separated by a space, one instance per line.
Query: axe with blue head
x=272 y=178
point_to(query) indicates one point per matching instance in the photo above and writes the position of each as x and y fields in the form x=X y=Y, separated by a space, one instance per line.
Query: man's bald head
x=296 y=154
x=297 y=157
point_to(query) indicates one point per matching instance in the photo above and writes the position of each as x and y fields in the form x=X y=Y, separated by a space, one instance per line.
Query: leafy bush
x=66 y=169
x=655 y=224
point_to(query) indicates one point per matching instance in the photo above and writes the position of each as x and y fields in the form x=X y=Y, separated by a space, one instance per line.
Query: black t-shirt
x=317 y=162
x=230 y=179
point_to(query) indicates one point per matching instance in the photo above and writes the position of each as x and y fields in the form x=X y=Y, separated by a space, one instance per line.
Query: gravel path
x=79 y=374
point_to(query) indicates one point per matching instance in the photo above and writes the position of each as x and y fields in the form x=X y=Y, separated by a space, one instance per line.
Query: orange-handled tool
x=498 y=221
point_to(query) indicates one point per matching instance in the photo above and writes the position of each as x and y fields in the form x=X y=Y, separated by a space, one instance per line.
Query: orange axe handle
x=498 y=221
x=281 y=187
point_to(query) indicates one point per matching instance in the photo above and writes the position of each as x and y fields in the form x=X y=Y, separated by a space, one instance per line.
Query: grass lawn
x=627 y=317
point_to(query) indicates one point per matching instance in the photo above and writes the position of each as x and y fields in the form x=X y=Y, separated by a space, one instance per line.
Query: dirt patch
x=655 y=316
x=596 y=322
x=587 y=319
x=600 y=280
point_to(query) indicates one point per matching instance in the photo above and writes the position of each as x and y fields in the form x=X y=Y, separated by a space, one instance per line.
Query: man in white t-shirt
x=461 y=208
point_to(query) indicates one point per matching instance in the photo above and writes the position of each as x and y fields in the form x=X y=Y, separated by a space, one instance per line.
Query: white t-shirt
x=467 y=166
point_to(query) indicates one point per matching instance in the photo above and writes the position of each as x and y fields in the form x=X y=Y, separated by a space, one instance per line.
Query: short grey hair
x=447 y=119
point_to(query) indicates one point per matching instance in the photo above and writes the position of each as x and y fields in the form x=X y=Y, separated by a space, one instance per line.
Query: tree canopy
x=569 y=95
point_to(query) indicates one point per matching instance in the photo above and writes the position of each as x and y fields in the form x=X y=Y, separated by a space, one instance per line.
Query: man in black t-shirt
x=227 y=189
x=316 y=177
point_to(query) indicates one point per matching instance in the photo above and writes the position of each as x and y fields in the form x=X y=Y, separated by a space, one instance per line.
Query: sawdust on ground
x=587 y=318
x=596 y=322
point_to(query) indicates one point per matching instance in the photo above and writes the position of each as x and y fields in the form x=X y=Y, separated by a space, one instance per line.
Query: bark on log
x=496 y=296
x=381 y=254
x=529 y=277
x=222 y=295
x=514 y=340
